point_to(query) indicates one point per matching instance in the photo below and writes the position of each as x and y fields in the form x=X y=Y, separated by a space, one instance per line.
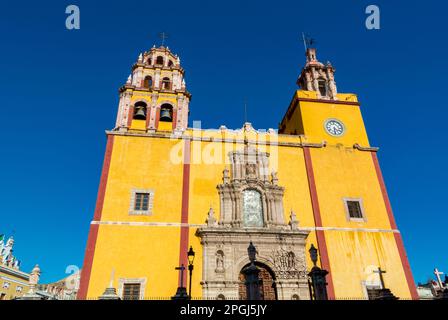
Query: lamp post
x=190 y=267
x=251 y=272
x=317 y=275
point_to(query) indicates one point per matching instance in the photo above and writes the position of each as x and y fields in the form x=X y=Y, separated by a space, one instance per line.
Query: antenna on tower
x=245 y=110
x=163 y=36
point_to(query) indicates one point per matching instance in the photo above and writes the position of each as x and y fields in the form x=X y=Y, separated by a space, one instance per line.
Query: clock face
x=334 y=127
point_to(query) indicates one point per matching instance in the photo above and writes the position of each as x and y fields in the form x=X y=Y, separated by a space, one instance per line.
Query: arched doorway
x=268 y=290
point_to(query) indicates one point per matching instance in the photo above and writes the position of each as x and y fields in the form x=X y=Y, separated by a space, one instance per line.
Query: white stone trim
x=14 y=281
x=141 y=281
x=192 y=225
x=148 y=212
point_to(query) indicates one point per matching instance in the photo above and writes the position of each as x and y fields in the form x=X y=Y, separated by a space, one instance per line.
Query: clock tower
x=318 y=112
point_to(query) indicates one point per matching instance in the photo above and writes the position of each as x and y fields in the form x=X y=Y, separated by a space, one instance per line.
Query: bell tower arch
x=158 y=80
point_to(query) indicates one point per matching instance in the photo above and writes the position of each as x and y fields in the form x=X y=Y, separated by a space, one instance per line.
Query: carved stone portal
x=251 y=209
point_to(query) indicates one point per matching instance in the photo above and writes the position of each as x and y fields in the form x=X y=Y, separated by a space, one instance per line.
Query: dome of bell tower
x=154 y=97
x=318 y=77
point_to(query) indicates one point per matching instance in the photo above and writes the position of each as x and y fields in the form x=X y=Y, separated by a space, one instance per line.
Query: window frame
x=361 y=206
x=140 y=281
x=262 y=213
x=134 y=193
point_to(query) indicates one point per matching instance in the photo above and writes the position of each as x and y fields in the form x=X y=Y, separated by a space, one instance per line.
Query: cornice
x=13 y=272
x=361 y=148
x=352 y=103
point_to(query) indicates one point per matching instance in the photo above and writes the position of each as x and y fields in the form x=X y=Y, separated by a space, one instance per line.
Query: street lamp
x=190 y=266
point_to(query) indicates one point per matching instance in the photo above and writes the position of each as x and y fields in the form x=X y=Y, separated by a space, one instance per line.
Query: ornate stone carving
x=249 y=171
x=288 y=265
x=251 y=209
x=315 y=73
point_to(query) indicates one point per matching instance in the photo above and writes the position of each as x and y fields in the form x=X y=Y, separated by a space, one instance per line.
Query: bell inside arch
x=140 y=113
x=165 y=115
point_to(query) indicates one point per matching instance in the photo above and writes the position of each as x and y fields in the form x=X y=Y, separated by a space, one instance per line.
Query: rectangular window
x=141 y=201
x=131 y=291
x=354 y=209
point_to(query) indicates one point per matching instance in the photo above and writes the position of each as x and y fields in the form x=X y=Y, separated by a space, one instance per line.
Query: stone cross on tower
x=438 y=274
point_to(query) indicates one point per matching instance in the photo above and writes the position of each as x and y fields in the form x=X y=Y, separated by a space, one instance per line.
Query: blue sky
x=59 y=93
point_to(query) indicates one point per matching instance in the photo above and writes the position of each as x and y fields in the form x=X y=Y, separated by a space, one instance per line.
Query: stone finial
x=184 y=84
x=226 y=176
x=110 y=293
x=178 y=60
x=274 y=178
x=211 y=220
x=293 y=222
x=140 y=58
x=222 y=127
x=33 y=281
x=34 y=278
x=129 y=79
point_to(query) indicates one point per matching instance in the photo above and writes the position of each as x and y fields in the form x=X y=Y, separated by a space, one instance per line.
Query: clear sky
x=59 y=93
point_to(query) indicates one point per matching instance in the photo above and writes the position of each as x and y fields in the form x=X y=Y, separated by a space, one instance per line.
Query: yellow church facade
x=166 y=186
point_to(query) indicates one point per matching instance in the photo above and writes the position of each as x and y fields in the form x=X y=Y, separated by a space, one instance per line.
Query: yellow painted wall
x=156 y=163
x=14 y=280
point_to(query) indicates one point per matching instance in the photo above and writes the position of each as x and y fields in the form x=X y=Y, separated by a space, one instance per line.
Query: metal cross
x=163 y=36
x=307 y=41
x=181 y=270
x=438 y=273
x=380 y=272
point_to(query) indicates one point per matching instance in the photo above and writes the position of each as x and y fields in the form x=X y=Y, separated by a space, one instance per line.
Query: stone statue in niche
x=251 y=170
x=219 y=261
x=291 y=260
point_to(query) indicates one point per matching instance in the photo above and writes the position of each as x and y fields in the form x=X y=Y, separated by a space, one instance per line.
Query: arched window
x=149 y=61
x=159 y=60
x=166 y=112
x=220 y=297
x=252 y=208
x=166 y=83
x=140 y=111
x=322 y=87
x=147 y=83
x=170 y=63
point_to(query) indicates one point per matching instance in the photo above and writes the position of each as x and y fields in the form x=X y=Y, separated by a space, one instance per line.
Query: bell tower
x=319 y=112
x=318 y=77
x=154 y=97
